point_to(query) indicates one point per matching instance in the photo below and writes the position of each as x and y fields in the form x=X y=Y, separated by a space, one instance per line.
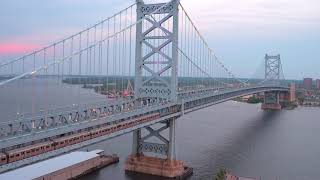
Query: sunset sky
x=240 y=32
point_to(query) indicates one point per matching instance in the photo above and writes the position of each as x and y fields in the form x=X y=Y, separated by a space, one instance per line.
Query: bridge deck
x=93 y=116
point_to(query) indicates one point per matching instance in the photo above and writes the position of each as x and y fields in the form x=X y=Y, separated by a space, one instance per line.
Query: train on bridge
x=54 y=143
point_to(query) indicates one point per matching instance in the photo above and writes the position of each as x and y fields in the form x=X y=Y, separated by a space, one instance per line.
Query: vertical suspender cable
x=100 y=58
x=94 y=51
x=88 y=68
x=107 y=66
x=130 y=46
x=114 y=56
x=33 y=84
x=79 y=66
x=120 y=89
x=71 y=57
x=123 y=61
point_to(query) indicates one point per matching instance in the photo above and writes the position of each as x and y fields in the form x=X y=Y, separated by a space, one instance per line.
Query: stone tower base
x=156 y=166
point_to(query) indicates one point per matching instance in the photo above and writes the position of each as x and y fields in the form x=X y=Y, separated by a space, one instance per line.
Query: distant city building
x=318 y=84
x=292 y=96
x=307 y=83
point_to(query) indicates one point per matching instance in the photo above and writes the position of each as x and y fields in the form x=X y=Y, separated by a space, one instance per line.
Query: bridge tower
x=272 y=69
x=156 y=80
x=272 y=77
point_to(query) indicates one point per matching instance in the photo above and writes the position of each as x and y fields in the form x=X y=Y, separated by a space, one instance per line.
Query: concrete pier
x=168 y=166
x=277 y=100
x=271 y=101
x=174 y=169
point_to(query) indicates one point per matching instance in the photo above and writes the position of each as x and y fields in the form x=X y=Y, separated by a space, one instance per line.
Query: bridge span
x=25 y=133
x=174 y=72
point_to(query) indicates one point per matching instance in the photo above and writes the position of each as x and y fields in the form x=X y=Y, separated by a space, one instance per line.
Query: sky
x=240 y=32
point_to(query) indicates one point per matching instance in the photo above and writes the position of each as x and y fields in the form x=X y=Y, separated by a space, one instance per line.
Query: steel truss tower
x=272 y=77
x=156 y=78
x=272 y=68
x=156 y=57
x=151 y=81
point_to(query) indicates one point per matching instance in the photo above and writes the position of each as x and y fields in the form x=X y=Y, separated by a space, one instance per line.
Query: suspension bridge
x=136 y=71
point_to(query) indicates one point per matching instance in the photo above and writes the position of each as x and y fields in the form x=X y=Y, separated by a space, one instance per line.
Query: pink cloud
x=16 y=48
x=17 y=45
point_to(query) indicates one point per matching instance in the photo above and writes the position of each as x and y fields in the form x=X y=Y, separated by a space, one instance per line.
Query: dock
x=68 y=166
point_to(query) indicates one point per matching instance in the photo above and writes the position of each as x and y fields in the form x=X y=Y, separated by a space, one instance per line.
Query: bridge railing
x=63 y=117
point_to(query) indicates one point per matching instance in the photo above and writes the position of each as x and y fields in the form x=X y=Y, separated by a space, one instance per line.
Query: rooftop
x=48 y=166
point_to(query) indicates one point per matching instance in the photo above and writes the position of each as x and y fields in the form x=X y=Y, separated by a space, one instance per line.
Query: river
x=237 y=136
x=241 y=138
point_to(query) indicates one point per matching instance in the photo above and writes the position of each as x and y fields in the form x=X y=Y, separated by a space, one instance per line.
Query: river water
x=241 y=138
x=237 y=136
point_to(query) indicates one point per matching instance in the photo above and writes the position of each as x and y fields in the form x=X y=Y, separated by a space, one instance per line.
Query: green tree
x=254 y=100
x=220 y=174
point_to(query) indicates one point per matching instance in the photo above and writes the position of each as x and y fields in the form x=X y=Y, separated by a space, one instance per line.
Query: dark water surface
x=240 y=137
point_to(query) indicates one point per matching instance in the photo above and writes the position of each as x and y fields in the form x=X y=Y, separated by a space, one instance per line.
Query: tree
x=254 y=100
x=221 y=174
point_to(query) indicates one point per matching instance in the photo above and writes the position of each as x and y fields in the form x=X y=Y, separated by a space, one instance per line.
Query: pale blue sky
x=240 y=32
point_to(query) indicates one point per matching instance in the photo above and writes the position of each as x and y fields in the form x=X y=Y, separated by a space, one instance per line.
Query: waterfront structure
x=64 y=167
x=170 y=80
x=307 y=83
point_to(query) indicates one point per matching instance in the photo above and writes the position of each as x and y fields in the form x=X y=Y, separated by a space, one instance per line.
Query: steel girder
x=160 y=148
x=60 y=151
x=67 y=116
x=70 y=115
x=139 y=108
x=166 y=146
x=190 y=101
